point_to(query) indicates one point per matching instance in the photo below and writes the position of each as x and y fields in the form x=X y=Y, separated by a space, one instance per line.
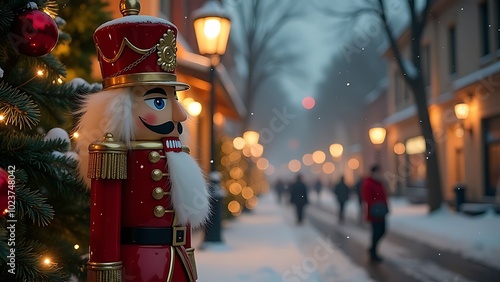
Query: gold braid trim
x=190 y=253
x=104 y=272
x=107 y=159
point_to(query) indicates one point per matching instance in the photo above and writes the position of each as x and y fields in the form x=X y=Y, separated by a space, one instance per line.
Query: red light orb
x=308 y=102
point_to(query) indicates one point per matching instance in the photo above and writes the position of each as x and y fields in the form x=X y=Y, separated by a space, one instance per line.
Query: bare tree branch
x=392 y=41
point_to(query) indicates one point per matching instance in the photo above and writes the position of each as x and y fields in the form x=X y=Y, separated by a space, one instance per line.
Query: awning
x=194 y=70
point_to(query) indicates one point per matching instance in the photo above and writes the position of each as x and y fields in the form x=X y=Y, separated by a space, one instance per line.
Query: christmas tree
x=82 y=19
x=44 y=227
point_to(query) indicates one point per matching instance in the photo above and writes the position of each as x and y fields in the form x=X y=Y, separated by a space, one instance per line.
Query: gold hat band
x=151 y=78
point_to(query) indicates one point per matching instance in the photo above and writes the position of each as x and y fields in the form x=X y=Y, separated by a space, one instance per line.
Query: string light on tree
x=39 y=73
x=47 y=261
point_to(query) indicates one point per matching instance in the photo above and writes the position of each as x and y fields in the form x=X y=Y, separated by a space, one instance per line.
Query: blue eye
x=156 y=103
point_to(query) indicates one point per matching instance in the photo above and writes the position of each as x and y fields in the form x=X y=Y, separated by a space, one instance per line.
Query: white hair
x=103 y=112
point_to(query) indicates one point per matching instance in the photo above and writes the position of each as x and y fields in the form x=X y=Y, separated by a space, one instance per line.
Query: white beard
x=190 y=197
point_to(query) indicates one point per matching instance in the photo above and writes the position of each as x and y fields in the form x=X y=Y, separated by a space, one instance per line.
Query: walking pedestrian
x=376 y=208
x=342 y=194
x=317 y=187
x=279 y=187
x=298 y=197
x=357 y=188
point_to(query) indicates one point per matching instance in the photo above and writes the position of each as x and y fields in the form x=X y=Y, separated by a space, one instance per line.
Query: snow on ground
x=475 y=237
x=266 y=245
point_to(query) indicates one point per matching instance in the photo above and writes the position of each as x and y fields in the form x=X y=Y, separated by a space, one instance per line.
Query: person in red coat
x=375 y=207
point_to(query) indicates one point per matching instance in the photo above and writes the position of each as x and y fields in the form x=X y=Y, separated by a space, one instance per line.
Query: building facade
x=461 y=65
x=194 y=70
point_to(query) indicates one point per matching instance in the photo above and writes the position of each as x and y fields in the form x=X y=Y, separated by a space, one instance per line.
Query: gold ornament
x=167 y=51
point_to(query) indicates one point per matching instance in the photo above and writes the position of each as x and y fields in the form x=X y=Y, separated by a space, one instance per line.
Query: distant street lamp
x=212 y=26
x=251 y=137
x=336 y=150
x=377 y=137
x=462 y=113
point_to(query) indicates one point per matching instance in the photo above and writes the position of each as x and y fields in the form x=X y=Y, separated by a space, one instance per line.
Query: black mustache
x=164 y=128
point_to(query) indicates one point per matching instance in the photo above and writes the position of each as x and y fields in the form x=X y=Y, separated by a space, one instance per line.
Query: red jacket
x=372 y=191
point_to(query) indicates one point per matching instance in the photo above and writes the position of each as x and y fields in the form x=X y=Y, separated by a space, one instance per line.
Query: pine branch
x=30 y=266
x=54 y=67
x=33 y=205
x=54 y=172
x=17 y=107
x=6 y=17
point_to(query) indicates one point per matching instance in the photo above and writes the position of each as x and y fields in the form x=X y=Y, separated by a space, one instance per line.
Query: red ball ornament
x=34 y=33
x=4 y=186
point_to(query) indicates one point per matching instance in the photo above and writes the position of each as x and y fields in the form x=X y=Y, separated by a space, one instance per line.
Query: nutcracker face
x=156 y=112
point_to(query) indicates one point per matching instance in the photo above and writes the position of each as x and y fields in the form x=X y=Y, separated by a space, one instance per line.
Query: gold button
x=159 y=211
x=158 y=193
x=156 y=174
x=154 y=157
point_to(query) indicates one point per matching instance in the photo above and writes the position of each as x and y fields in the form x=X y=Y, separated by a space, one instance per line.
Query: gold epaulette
x=104 y=272
x=186 y=149
x=107 y=159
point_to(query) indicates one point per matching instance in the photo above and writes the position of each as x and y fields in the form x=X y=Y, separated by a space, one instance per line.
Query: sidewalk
x=266 y=245
x=474 y=237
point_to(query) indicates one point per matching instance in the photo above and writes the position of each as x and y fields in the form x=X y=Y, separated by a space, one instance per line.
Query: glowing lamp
x=211 y=26
x=377 y=135
x=462 y=111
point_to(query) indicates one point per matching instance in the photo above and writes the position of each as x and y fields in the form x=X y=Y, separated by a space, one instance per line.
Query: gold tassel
x=104 y=272
x=107 y=159
x=190 y=253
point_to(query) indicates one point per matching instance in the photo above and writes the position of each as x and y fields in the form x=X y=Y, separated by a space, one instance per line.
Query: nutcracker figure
x=146 y=191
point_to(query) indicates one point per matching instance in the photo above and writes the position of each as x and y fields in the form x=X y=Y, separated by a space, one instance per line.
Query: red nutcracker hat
x=137 y=50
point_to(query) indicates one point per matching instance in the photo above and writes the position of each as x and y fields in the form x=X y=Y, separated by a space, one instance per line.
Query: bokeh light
x=307 y=159
x=336 y=150
x=328 y=168
x=219 y=119
x=235 y=157
x=318 y=157
x=239 y=143
x=235 y=188
x=294 y=165
x=399 y=148
x=194 y=108
x=257 y=150
x=262 y=164
x=251 y=137
x=226 y=147
x=353 y=163
x=236 y=173
x=247 y=193
x=187 y=101
x=308 y=102
x=252 y=203
x=234 y=207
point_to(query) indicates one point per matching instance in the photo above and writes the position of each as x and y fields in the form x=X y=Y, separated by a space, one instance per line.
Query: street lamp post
x=212 y=27
x=377 y=137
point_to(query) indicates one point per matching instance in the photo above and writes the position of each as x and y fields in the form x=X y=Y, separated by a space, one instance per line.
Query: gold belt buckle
x=179 y=236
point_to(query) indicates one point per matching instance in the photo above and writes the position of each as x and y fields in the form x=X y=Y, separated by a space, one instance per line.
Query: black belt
x=172 y=236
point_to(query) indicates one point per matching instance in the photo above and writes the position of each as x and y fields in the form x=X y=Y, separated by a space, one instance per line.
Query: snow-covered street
x=267 y=245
